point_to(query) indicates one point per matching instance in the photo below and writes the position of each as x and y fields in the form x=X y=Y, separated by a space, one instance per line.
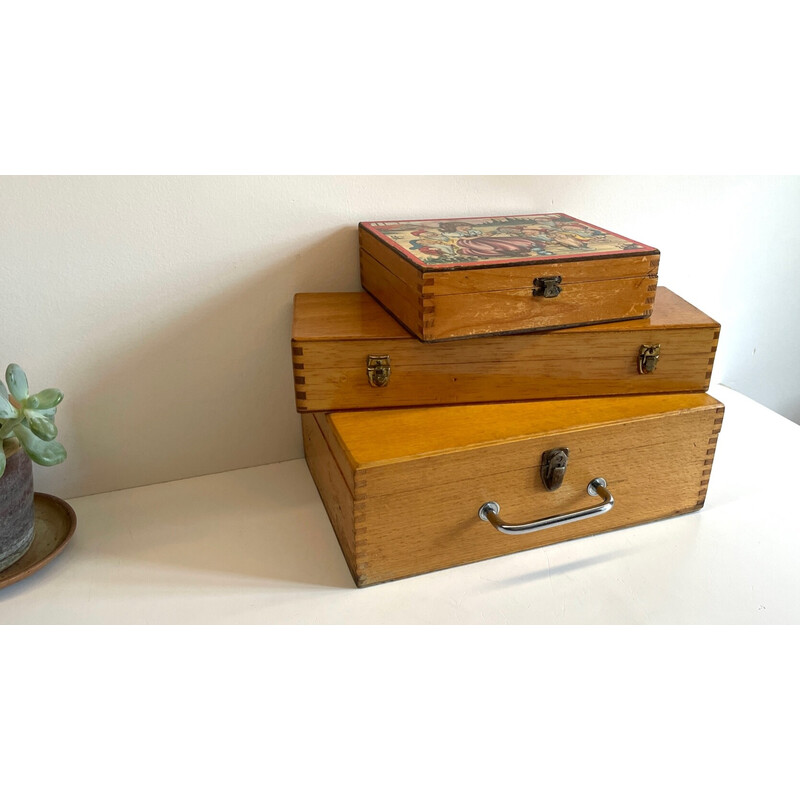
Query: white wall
x=162 y=306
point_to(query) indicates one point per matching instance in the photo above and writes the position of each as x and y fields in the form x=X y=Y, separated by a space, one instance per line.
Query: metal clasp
x=547 y=286
x=378 y=370
x=648 y=358
x=554 y=467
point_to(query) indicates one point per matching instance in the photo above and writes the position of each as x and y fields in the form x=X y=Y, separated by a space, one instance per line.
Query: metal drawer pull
x=489 y=512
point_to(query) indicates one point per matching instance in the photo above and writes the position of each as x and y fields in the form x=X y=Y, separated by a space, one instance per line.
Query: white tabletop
x=255 y=546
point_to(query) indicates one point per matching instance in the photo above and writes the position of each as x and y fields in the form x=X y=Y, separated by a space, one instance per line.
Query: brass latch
x=648 y=358
x=554 y=467
x=378 y=370
x=547 y=287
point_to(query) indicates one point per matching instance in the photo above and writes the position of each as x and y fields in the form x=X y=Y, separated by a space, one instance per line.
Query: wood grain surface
x=498 y=278
x=417 y=490
x=406 y=302
x=451 y=316
x=336 y=496
x=334 y=333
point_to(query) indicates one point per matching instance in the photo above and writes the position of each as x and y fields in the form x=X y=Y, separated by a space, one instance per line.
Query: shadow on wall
x=209 y=391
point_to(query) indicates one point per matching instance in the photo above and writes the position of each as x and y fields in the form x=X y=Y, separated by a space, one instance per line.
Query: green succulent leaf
x=45 y=453
x=2 y=460
x=7 y=411
x=7 y=429
x=30 y=418
x=47 y=398
x=17 y=382
x=43 y=427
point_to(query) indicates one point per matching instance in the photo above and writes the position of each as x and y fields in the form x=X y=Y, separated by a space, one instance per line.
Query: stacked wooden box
x=420 y=422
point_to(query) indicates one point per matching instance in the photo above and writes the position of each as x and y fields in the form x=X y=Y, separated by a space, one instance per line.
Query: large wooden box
x=446 y=279
x=403 y=488
x=348 y=353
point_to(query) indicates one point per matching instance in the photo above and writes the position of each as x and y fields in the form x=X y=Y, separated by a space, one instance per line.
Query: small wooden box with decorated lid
x=457 y=278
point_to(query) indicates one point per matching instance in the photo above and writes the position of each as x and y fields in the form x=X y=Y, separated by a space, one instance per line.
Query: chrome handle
x=489 y=512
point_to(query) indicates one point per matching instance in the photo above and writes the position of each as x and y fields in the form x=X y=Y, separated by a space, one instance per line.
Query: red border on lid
x=514 y=261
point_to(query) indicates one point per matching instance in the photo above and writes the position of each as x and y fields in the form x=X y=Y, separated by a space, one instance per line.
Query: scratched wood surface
x=416 y=492
x=521 y=277
x=452 y=316
x=333 y=334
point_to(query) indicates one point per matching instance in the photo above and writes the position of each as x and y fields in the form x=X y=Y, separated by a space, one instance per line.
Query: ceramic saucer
x=54 y=525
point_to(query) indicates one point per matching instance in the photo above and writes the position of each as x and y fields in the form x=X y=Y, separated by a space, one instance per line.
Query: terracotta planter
x=16 y=506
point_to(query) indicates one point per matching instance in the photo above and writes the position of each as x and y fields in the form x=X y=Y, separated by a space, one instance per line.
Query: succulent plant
x=29 y=418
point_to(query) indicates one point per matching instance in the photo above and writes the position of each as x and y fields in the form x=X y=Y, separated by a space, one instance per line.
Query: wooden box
x=446 y=279
x=403 y=488
x=348 y=353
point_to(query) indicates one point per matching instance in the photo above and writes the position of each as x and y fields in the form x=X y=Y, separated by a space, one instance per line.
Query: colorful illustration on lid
x=447 y=243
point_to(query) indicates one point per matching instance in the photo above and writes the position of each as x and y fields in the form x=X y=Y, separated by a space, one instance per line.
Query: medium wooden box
x=403 y=488
x=446 y=279
x=348 y=353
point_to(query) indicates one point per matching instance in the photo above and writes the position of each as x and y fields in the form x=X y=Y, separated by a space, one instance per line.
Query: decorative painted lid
x=487 y=241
